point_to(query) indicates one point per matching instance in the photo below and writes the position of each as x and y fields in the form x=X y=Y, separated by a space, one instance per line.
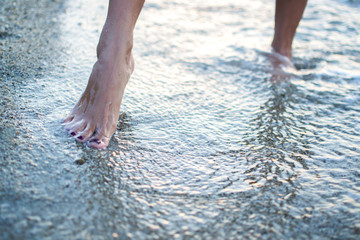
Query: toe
x=84 y=135
x=76 y=127
x=70 y=124
x=68 y=119
x=99 y=142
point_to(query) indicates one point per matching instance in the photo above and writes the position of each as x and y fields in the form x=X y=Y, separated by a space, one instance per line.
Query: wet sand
x=207 y=145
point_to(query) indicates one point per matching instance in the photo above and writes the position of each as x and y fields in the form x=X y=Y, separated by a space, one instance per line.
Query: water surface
x=210 y=143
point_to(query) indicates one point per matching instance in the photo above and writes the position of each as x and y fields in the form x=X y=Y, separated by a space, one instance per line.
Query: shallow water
x=210 y=143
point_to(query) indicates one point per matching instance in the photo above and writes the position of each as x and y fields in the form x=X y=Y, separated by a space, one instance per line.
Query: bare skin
x=95 y=116
x=288 y=14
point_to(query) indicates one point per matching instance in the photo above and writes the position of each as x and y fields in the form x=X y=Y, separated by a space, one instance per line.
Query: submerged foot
x=280 y=61
x=94 y=118
x=282 y=66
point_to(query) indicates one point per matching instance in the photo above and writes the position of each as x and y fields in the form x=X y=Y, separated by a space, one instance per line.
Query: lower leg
x=288 y=14
x=95 y=116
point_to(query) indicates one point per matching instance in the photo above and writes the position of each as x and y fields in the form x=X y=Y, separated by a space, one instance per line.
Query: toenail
x=80 y=137
x=73 y=133
x=96 y=140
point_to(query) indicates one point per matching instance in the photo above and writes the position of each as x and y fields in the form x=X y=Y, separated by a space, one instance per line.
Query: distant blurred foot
x=283 y=68
x=280 y=61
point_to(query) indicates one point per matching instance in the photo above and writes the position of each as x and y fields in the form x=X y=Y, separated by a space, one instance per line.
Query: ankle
x=111 y=51
x=114 y=42
x=283 y=49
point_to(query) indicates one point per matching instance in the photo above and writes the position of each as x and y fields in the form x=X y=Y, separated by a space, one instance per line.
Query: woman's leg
x=287 y=17
x=95 y=116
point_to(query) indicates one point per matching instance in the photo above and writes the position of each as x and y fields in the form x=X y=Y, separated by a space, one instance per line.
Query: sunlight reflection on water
x=208 y=144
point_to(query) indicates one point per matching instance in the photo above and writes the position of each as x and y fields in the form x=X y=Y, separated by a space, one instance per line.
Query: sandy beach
x=208 y=144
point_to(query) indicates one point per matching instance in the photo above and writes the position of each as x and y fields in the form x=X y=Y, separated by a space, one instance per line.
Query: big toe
x=99 y=142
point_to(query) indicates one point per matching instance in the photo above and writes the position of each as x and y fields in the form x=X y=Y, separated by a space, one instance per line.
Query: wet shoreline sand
x=206 y=147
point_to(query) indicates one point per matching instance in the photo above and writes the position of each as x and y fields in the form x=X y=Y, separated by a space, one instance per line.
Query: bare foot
x=283 y=68
x=280 y=61
x=94 y=118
